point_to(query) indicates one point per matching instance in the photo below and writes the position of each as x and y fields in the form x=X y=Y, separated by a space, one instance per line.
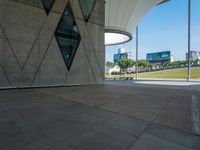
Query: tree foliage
x=125 y=63
x=109 y=64
x=143 y=63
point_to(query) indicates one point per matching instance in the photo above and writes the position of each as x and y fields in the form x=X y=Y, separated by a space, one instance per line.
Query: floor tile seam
x=57 y=96
x=161 y=110
x=87 y=122
x=138 y=137
x=186 y=146
x=80 y=112
x=176 y=129
x=93 y=135
x=37 y=128
x=52 y=140
x=150 y=122
x=18 y=133
x=75 y=102
x=54 y=120
x=131 y=117
x=22 y=132
x=120 y=130
x=74 y=135
x=124 y=115
x=146 y=132
x=20 y=117
x=14 y=104
x=100 y=105
x=112 y=111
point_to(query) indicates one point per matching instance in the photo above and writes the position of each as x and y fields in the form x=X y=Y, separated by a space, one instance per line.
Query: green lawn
x=180 y=73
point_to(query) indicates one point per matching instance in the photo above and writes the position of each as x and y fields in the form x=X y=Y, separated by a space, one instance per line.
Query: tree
x=125 y=63
x=150 y=67
x=195 y=62
x=183 y=63
x=175 y=64
x=143 y=63
x=167 y=64
x=109 y=64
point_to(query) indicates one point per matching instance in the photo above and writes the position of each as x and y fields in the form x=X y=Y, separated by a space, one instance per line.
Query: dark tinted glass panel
x=67 y=35
x=48 y=5
x=87 y=7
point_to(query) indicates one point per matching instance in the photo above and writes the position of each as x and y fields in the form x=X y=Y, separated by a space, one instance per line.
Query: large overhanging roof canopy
x=122 y=17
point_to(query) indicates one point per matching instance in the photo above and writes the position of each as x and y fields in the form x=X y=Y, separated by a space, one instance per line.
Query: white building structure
x=194 y=55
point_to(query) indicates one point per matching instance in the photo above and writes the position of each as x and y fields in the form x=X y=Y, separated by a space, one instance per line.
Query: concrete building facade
x=35 y=52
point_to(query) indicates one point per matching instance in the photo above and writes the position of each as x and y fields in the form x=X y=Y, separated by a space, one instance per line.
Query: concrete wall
x=29 y=52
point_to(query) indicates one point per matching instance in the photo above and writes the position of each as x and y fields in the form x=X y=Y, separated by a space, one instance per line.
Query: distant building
x=194 y=55
x=122 y=54
x=114 y=69
x=159 y=57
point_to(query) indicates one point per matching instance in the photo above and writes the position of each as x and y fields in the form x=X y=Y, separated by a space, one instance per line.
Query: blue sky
x=165 y=28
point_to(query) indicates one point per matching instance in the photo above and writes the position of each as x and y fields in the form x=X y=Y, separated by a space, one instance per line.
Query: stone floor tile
x=8 y=129
x=177 y=136
x=149 y=142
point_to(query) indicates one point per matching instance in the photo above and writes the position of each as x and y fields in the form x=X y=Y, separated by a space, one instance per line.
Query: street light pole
x=136 y=52
x=189 y=13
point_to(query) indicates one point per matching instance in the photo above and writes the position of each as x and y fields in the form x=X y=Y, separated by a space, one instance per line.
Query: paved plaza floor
x=113 y=116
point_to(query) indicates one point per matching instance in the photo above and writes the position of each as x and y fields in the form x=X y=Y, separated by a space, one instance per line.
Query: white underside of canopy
x=124 y=15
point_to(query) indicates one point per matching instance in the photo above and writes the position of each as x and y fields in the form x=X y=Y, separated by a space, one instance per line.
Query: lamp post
x=136 y=52
x=189 y=13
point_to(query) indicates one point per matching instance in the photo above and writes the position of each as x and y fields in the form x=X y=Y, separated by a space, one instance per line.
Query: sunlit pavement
x=169 y=82
x=183 y=84
x=120 y=115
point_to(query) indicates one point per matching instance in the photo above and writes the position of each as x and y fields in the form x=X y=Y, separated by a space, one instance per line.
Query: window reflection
x=48 y=5
x=87 y=7
x=67 y=35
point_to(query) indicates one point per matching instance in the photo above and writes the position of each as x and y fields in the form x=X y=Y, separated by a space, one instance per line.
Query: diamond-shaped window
x=68 y=36
x=48 y=5
x=87 y=8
